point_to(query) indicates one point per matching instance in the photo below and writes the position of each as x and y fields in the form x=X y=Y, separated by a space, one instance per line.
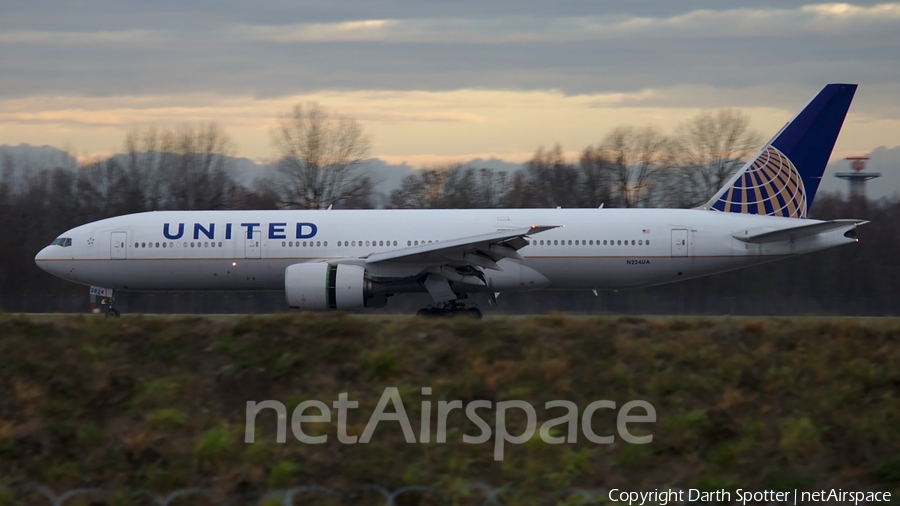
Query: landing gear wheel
x=474 y=313
x=112 y=313
x=423 y=313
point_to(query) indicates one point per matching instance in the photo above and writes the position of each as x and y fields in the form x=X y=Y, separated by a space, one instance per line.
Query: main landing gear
x=450 y=310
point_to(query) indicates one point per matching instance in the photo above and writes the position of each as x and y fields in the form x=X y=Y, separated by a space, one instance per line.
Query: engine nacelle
x=320 y=286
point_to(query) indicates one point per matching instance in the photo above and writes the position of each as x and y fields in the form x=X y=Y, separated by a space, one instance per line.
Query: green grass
x=158 y=402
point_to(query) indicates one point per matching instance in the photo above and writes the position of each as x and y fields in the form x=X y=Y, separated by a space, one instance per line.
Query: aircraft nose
x=41 y=258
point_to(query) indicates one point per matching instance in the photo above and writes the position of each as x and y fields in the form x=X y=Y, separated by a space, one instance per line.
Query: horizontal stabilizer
x=766 y=234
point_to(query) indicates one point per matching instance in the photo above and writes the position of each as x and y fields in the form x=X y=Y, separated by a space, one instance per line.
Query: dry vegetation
x=158 y=403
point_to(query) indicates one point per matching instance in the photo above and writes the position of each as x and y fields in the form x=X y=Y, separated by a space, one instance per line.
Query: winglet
x=537 y=229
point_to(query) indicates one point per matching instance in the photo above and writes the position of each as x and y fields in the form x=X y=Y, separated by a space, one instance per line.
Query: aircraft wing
x=765 y=235
x=478 y=250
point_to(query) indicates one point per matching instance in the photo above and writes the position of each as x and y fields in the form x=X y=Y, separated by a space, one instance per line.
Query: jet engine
x=321 y=286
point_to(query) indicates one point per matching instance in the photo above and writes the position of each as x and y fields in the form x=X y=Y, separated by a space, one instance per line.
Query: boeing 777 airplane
x=353 y=259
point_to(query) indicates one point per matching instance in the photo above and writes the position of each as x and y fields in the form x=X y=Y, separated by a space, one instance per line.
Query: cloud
x=420 y=127
x=54 y=38
x=699 y=23
x=436 y=80
x=624 y=48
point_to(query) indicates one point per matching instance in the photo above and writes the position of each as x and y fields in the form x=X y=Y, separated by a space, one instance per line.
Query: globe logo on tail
x=771 y=186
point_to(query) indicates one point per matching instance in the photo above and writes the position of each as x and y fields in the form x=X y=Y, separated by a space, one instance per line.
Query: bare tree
x=7 y=178
x=553 y=181
x=318 y=154
x=596 y=177
x=636 y=156
x=709 y=149
x=141 y=183
x=99 y=188
x=195 y=167
x=491 y=188
x=454 y=186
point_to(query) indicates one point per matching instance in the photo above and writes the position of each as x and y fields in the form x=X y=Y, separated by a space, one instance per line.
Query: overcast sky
x=438 y=80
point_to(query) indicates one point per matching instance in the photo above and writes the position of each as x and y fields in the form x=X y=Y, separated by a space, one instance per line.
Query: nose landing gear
x=108 y=300
x=450 y=310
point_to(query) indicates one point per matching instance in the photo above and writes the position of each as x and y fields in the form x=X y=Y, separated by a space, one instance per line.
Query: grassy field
x=159 y=403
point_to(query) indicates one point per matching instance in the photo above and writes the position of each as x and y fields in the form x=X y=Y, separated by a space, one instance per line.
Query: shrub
x=213 y=445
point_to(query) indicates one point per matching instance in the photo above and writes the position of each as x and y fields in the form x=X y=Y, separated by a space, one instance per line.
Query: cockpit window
x=61 y=241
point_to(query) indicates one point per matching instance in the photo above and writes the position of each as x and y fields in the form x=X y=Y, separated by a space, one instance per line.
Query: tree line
x=630 y=167
x=319 y=163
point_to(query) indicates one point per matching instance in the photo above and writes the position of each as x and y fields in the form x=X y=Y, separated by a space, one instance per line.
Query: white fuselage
x=591 y=248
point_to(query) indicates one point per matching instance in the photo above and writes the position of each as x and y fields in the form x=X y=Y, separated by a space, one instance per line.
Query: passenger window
x=325 y=243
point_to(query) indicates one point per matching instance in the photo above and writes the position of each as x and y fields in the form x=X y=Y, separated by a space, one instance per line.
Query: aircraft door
x=118 y=244
x=252 y=246
x=680 y=242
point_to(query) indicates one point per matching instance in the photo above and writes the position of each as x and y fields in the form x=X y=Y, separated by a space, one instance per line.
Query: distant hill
x=26 y=155
x=387 y=176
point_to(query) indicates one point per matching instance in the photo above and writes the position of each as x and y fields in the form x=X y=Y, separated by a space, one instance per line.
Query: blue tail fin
x=782 y=179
